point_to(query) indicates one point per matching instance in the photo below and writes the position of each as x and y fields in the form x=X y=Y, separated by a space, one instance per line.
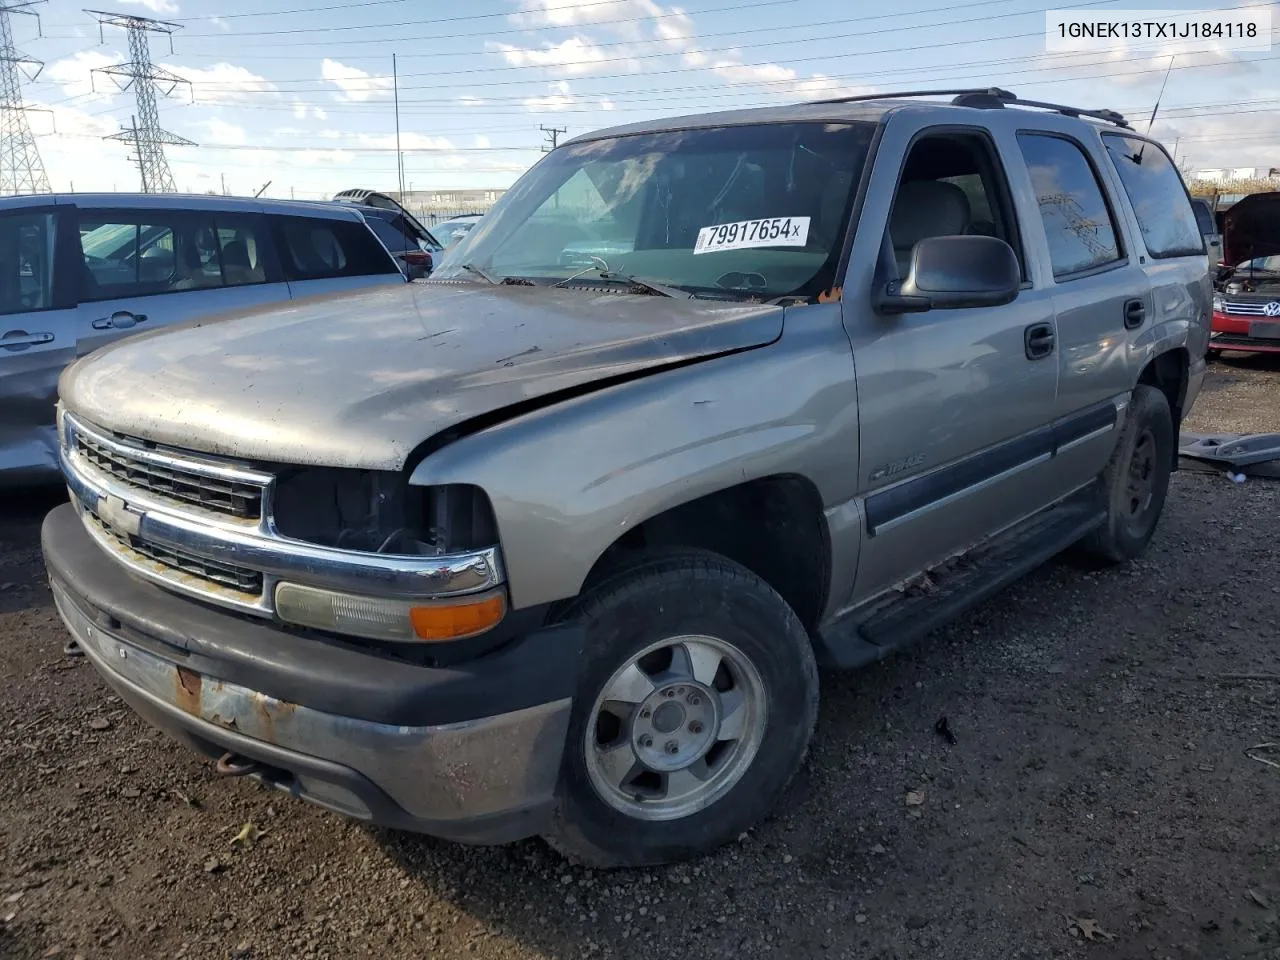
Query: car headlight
x=383 y=618
x=1219 y=306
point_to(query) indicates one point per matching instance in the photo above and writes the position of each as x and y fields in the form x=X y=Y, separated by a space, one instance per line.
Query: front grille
x=183 y=564
x=236 y=498
x=1245 y=308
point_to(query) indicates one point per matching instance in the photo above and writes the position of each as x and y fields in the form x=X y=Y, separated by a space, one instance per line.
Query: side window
x=389 y=235
x=952 y=184
x=26 y=262
x=242 y=249
x=1160 y=201
x=316 y=248
x=1204 y=217
x=147 y=253
x=1077 y=221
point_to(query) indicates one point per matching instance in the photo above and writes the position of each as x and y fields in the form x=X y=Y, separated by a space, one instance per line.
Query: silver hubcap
x=675 y=728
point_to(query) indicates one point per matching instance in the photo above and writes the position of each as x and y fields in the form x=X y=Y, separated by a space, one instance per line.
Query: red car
x=1246 y=302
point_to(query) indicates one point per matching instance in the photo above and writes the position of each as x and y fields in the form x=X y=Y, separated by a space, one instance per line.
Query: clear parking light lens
x=383 y=618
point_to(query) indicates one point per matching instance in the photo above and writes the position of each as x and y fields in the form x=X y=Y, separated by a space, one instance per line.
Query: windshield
x=755 y=211
x=450 y=231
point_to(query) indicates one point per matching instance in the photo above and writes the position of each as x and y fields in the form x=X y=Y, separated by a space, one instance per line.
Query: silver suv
x=78 y=271
x=535 y=549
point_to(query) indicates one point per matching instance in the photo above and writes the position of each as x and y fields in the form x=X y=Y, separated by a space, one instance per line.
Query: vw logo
x=1272 y=309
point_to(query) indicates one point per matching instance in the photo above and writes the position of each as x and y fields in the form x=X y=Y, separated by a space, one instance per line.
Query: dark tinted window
x=26 y=262
x=388 y=234
x=315 y=248
x=1079 y=227
x=244 y=249
x=1160 y=201
x=141 y=253
x=1204 y=217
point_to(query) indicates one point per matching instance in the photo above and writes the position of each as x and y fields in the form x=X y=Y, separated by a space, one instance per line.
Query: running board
x=886 y=624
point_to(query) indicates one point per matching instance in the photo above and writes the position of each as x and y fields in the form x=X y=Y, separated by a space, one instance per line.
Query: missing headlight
x=379 y=512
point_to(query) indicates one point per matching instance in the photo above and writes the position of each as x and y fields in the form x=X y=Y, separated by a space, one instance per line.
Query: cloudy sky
x=301 y=94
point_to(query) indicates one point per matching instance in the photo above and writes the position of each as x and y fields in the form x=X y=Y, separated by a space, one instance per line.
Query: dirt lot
x=1099 y=775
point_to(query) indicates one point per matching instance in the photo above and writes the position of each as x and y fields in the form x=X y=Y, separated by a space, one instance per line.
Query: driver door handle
x=120 y=320
x=23 y=339
x=1038 y=339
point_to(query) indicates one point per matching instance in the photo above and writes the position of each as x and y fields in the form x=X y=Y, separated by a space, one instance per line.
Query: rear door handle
x=1135 y=311
x=20 y=338
x=1038 y=339
x=120 y=320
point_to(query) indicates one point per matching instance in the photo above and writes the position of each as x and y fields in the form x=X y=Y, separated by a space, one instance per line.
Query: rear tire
x=1136 y=480
x=697 y=702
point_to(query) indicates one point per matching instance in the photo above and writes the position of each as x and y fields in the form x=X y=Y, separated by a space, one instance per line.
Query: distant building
x=451 y=200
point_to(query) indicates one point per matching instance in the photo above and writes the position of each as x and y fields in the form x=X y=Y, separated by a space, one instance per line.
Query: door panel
x=37 y=339
x=955 y=406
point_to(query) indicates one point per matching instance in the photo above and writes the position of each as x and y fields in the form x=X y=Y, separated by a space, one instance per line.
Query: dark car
x=404 y=236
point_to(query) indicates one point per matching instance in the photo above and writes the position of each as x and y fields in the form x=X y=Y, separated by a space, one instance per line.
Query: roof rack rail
x=989 y=98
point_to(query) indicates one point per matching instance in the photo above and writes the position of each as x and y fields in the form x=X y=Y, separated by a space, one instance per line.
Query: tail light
x=417 y=258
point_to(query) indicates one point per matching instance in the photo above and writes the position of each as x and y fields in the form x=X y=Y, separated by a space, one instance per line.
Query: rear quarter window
x=1160 y=202
x=316 y=248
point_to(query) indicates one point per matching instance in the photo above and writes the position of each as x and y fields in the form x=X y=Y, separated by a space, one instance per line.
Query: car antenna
x=1137 y=157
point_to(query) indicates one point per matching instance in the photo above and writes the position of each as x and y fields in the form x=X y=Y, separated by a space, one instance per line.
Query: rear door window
x=317 y=248
x=1078 y=224
x=1160 y=202
x=395 y=240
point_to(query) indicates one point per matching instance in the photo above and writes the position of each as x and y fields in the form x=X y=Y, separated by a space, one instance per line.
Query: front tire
x=698 y=699
x=1136 y=480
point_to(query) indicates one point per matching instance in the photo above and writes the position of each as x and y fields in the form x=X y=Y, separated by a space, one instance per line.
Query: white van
x=80 y=270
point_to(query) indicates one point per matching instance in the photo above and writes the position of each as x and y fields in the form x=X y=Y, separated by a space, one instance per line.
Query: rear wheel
x=697 y=703
x=1136 y=480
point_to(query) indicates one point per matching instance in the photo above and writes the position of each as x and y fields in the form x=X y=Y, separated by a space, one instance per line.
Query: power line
x=21 y=169
x=144 y=132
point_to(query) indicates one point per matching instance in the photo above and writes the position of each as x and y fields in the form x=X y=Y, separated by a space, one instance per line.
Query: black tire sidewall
x=683 y=597
x=1149 y=411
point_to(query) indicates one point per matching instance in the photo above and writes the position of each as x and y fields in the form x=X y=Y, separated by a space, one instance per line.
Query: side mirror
x=949 y=273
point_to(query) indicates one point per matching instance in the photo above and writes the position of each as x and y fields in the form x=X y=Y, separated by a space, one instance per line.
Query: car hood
x=360 y=380
x=1251 y=228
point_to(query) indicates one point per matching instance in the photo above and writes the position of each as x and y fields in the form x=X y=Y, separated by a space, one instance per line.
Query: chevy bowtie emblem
x=1272 y=309
x=118 y=515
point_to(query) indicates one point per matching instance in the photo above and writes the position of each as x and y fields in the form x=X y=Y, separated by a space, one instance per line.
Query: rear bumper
x=467 y=753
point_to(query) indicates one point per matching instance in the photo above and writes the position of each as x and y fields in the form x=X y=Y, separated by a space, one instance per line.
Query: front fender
x=567 y=480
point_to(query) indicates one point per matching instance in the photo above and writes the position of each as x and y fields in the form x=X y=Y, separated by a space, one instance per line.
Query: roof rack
x=987 y=98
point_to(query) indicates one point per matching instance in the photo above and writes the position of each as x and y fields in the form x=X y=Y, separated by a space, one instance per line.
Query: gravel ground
x=1097 y=802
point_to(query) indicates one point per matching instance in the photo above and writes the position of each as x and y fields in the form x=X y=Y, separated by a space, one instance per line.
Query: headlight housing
x=1219 y=305
x=386 y=618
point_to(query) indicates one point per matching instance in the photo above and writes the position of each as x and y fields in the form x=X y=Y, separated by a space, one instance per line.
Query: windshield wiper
x=472 y=268
x=604 y=273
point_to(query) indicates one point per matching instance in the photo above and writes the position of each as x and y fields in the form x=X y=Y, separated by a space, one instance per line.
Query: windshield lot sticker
x=771 y=232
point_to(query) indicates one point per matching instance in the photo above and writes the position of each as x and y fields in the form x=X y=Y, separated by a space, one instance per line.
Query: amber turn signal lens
x=456 y=619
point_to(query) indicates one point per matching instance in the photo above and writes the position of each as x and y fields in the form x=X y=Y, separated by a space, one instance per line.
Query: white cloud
x=303 y=110
x=155 y=6
x=469 y=101
x=219 y=131
x=558 y=99
x=577 y=56
x=226 y=83
x=219 y=23
x=354 y=85
x=482 y=141
x=74 y=74
x=607 y=104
